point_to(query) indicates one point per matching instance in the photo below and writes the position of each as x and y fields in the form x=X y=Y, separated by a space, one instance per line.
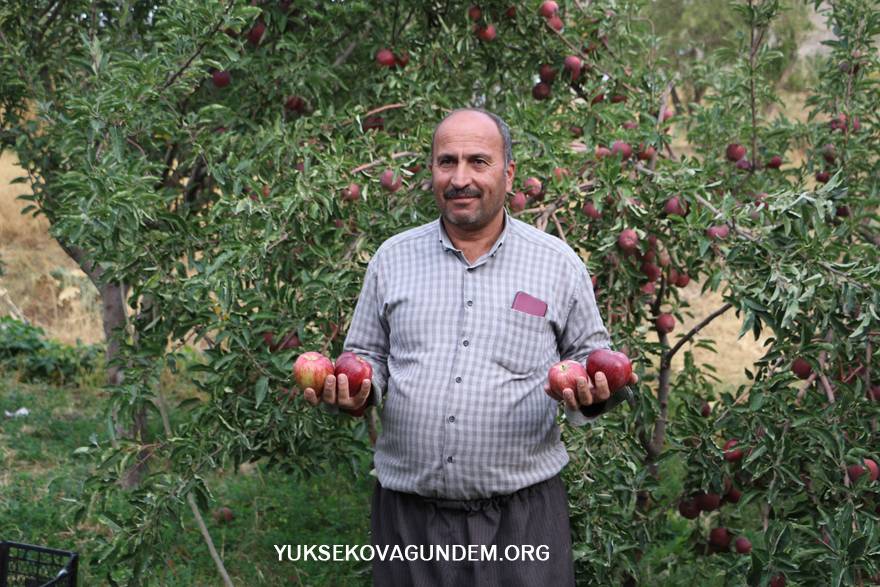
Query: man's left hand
x=586 y=393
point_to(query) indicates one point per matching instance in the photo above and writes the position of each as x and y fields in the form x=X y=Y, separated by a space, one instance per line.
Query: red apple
x=718 y=232
x=555 y=22
x=576 y=131
x=829 y=153
x=705 y=410
x=631 y=125
x=648 y=289
x=573 y=65
x=546 y=73
x=388 y=181
x=732 y=455
x=223 y=515
x=622 y=148
x=533 y=187
x=628 y=240
x=777 y=581
x=646 y=153
x=474 y=13
x=356 y=370
x=548 y=8
x=541 y=91
x=674 y=206
x=801 y=368
x=735 y=152
x=564 y=375
x=510 y=12
x=733 y=495
x=295 y=104
x=518 y=202
x=744 y=164
x=775 y=162
x=373 y=123
x=590 y=210
x=602 y=152
x=651 y=271
x=719 y=537
x=615 y=365
x=708 y=502
x=486 y=33
x=618 y=98
x=873 y=469
x=743 y=545
x=311 y=369
x=221 y=79
x=665 y=323
x=682 y=280
x=689 y=509
x=597 y=98
x=256 y=33
x=385 y=58
x=402 y=59
x=823 y=176
x=352 y=193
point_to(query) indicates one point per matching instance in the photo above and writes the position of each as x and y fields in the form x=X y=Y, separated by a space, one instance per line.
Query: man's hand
x=586 y=393
x=339 y=395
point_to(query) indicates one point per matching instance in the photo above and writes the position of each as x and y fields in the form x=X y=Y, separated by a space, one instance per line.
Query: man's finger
x=568 y=397
x=600 y=390
x=584 y=396
x=361 y=397
x=553 y=395
x=330 y=389
x=633 y=378
x=310 y=396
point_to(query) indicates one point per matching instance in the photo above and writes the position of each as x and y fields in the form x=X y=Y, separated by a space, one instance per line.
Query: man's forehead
x=468 y=127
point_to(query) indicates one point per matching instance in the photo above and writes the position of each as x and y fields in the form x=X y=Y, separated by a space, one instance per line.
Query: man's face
x=469 y=178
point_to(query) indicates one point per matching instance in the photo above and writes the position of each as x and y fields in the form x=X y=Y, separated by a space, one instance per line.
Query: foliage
x=221 y=207
x=25 y=348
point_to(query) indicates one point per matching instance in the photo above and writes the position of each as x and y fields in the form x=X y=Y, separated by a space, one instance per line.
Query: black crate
x=25 y=565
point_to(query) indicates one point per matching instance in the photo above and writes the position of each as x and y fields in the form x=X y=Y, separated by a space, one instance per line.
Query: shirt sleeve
x=583 y=333
x=368 y=334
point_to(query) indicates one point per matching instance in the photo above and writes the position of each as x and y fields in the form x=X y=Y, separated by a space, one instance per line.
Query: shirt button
x=465 y=343
x=452 y=418
x=458 y=379
x=470 y=303
x=450 y=460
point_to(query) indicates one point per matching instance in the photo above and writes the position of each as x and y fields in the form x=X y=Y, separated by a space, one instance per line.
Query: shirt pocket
x=521 y=342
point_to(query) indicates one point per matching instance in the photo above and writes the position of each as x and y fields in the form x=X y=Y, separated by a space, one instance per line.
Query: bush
x=24 y=348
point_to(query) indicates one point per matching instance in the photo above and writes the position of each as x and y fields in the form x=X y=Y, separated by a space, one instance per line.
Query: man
x=461 y=320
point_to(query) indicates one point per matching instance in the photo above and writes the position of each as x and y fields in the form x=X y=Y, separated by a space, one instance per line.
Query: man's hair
x=503 y=129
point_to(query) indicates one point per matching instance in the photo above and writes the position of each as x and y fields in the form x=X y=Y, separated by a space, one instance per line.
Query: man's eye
x=481 y=162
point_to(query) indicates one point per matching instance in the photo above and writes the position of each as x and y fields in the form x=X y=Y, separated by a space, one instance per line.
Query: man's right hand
x=337 y=394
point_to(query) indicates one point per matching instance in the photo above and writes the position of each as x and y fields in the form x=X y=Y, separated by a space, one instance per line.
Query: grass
x=40 y=476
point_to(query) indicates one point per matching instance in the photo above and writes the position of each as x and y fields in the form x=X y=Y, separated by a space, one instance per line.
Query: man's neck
x=475 y=243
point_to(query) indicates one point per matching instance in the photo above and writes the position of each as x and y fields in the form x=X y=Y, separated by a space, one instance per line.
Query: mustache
x=453 y=193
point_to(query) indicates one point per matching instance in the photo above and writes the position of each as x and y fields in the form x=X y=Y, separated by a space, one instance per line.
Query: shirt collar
x=443 y=237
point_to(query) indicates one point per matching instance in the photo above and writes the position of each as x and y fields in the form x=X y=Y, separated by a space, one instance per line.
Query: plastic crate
x=25 y=565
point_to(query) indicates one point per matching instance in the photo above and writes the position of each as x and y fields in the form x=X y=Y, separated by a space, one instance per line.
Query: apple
x=646 y=153
x=573 y=65
x=674 y=207
x=873 y=393
x=518 y=202
x=665 y=323
x=546 y=73
x=602 y=152
x=743 y=545
x=732 y=455
x=474 y=13
x=256 y=33
x=576 y=131
x=590 y=210
x=733 y=495
x=841 y=212
x=533 y=187
x=689 y=509
x=829 y=153
x=775 y=162
x=555 y=22
x=510 y=12
x=618 y=98
x=295 y=104
x=622 y=148
x=648 y=289
x=373 y=123
x=486 y=33
x=597 y=98
x=291 y=341
x=777 y=581
x=385 y=58
x=615 y=365
x=356 y=370
x=223 y=515
x=823 y=176
x=311 y=369
x=560 y=172
x=564 y=374
x=541 y=91
x=856 y=471
x=744 y=164
x=682 y=280
x=718 y=232
x=705 y=409
x=221 y=79
x=548 y=8
x=719 y=537
x=630 y=125
x=389 y=182
x=651 y=271
x=352 y=193
x=735 y=152
x=628 y=240
x=708 y=502
x=801 y=368
x=402 y=59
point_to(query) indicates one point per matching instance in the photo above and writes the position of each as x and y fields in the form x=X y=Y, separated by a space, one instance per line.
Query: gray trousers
x=535 y=516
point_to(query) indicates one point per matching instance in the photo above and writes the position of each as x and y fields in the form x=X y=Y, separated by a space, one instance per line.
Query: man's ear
x=510 y=172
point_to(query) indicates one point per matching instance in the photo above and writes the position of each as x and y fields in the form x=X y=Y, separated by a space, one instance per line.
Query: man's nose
x=462 y=176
